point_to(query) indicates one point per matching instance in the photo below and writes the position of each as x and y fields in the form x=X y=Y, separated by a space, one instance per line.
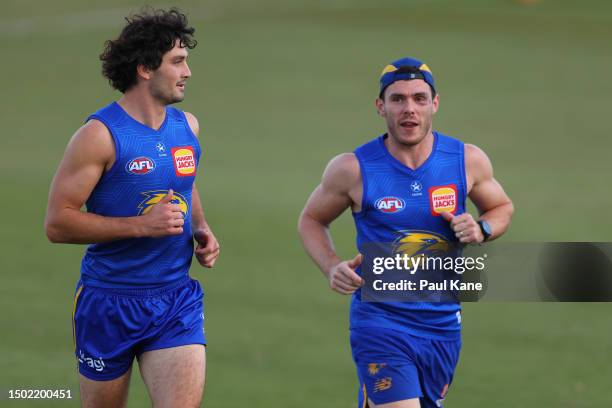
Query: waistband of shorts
x=142 y=292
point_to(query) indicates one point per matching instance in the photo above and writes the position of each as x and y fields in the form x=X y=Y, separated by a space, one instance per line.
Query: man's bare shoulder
x=344 y=165
x=93 y=140
x=342 y=172
x=473 y=152
x=93 y=131
x=193 y=123
x=476 y=158
x=477 y=164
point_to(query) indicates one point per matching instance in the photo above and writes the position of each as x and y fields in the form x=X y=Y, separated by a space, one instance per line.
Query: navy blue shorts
x=112 y=326
x=395 y=366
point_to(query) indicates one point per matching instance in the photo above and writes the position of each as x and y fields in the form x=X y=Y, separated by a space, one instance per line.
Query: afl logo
x=390 y=204
x=140 y=165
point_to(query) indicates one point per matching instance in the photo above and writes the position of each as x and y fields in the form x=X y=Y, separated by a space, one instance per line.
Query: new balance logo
x=382 y=384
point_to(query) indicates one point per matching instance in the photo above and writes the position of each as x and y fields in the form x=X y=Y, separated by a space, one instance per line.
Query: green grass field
x=280 y=88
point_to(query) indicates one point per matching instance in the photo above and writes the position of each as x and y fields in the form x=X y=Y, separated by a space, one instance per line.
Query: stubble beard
x=424 y=129
x=165 y=97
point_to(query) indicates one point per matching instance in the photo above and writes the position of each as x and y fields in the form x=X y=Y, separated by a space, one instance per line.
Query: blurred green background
x=279 y=88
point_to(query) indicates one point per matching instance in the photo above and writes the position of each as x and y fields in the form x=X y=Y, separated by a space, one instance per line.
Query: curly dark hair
x=143 y=41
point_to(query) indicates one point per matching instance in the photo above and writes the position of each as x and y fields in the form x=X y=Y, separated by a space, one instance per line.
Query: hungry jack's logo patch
x=184 y=161
x=443 y=199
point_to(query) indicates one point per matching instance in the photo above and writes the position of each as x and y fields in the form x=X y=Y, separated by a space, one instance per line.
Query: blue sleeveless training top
x=404 y=204
x=148 y=163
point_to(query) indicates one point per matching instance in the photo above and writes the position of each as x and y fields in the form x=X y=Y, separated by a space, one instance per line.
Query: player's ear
x=380 y=106
x=143 y=71
x=436 y=102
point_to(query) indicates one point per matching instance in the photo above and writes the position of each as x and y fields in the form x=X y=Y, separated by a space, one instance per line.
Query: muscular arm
x=207 y=249
x=486 y=193
x=90 y=152
x=339 y=188
x=198 y=221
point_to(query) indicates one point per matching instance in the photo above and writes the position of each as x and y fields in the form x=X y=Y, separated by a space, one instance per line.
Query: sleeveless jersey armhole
x=364 y=186
x=116 y=144
x=196 y=140
x=463 y=175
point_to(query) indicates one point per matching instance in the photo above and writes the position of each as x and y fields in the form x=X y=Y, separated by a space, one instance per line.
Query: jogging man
x=410 y=184
x=133 y=165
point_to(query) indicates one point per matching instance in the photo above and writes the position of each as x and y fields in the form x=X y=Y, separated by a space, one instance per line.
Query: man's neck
x=141 y=106
x=412 y=156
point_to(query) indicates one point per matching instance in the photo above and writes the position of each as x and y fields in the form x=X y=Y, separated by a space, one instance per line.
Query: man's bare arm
x=486 y=193
x=330 y=199
x=89 y=154
x=198 y=221
x=207 y=249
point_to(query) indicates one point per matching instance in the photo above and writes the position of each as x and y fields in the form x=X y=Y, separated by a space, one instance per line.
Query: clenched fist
x=343 y=278
x=207 y=250
x=465 y=227
x=164 y=218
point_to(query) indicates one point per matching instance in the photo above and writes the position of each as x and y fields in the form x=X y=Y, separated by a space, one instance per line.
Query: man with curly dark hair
x=133 y=165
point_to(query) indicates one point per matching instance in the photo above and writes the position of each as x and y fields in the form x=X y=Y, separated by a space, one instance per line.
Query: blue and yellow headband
x=406 y=69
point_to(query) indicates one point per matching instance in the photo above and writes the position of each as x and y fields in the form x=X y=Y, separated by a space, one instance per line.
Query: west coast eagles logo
x=426 y=243
x=154 y=197
x=374 y=368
